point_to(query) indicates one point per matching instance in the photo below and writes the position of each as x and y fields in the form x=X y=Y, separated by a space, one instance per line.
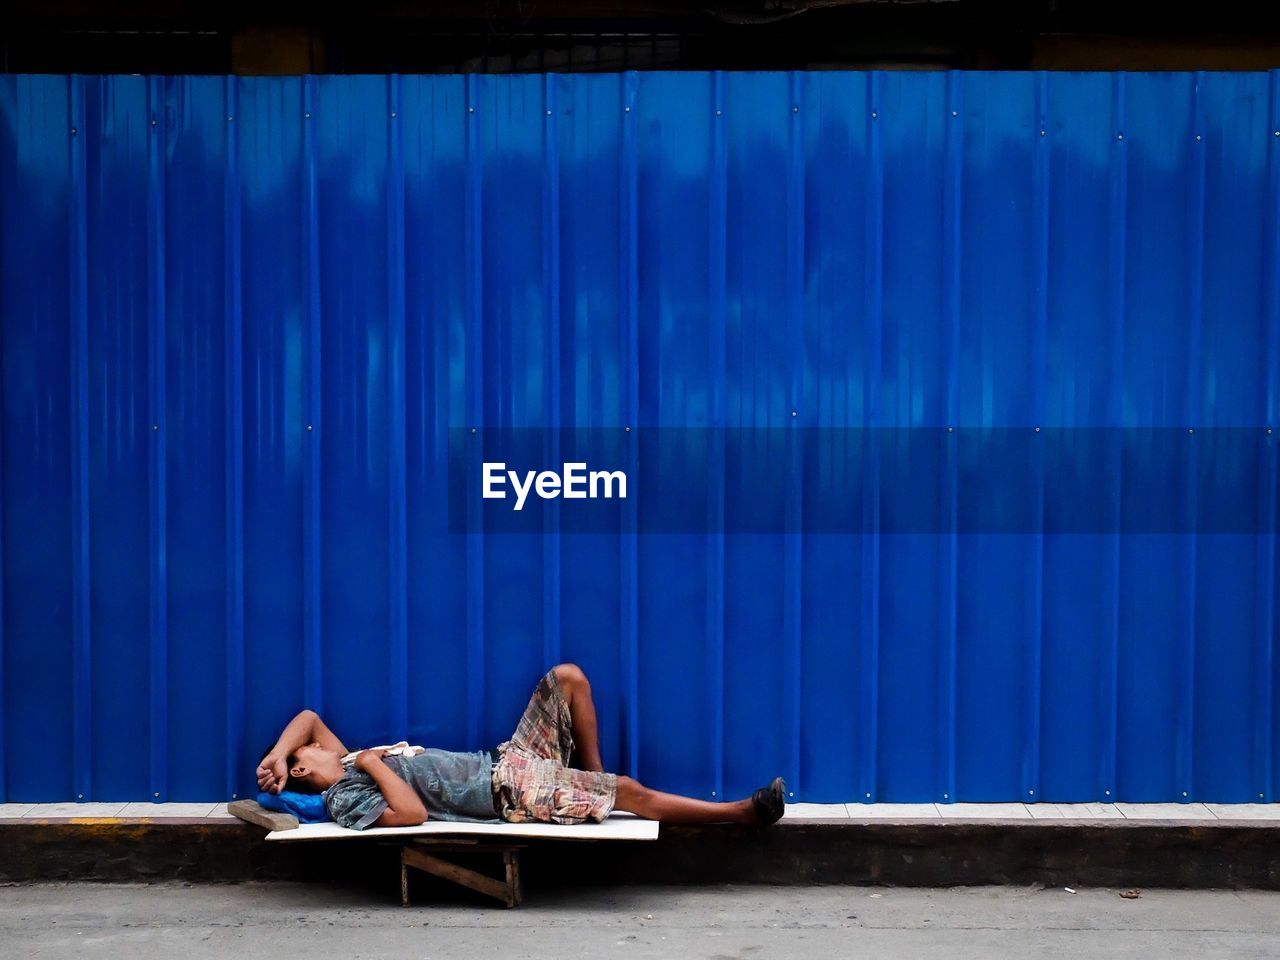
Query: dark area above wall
x=505 y=36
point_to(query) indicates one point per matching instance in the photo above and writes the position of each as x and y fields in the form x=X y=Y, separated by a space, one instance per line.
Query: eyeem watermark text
x=574 y=482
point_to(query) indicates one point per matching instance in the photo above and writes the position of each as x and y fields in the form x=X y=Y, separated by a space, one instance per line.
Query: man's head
x=313 y=769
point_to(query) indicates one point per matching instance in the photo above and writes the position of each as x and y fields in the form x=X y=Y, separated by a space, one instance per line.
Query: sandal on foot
x=770 y=802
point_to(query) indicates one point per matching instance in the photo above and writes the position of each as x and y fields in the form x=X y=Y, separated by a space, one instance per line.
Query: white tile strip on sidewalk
x=1165 y=811
x=892 y=811
x=1074 y=811
x=815 y=811
x=983 y=811
x=1245 y=811
x=63 y=811
x=169 y=810
x=1236 y=812
x=796 y=812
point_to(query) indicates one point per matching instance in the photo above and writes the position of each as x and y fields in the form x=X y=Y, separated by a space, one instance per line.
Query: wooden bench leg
x=507 y=891
x=515 y=890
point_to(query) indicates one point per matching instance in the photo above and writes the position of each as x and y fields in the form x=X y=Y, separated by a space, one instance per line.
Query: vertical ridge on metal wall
x=78 y=291
x=1265 y=573
x=716 y=331
x=397 y=513
x=234 y=467
x=1039 y=374
x=793 y=587
x=475 y=416
x=1185 y=782
x=157 y=494
x=312 y=652
x=874 y=337
x=4 y=783
x=949 y=572
x=629 y=351
x=551 y=546
x=1117 y=218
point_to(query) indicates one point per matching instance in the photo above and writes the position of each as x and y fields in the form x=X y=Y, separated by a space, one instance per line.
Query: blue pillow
x=307 y=807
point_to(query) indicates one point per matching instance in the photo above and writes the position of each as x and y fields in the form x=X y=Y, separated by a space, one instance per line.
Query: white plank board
x=616 y=827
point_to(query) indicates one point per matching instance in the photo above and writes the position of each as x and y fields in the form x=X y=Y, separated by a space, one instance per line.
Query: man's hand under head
x=273 y=773
x=305 y=728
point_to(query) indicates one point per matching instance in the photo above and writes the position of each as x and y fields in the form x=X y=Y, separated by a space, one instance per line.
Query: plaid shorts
x=532 y=779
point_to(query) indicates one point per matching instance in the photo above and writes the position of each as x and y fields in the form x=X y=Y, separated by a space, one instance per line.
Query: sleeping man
x=529 y=777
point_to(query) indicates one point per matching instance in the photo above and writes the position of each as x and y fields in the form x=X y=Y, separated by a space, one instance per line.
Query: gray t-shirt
x=453 y=786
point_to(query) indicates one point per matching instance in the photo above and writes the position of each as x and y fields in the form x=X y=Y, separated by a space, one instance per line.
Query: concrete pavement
x=277 y=920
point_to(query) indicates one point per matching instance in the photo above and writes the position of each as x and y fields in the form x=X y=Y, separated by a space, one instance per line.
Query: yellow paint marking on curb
x=109 y=821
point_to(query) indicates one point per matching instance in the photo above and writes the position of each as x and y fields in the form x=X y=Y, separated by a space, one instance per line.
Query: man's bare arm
x=404 y=806
x=306 y=727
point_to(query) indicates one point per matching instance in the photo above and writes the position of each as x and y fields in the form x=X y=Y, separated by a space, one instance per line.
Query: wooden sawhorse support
x=422 y=855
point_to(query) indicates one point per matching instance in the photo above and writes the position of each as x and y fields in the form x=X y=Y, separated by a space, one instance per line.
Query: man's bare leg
x=582 y=712
x=635 y=797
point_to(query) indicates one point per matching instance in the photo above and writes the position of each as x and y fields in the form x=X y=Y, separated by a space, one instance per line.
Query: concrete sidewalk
x=252 y=921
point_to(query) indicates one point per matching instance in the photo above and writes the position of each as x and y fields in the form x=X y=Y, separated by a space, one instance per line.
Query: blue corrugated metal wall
x=240 y=316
